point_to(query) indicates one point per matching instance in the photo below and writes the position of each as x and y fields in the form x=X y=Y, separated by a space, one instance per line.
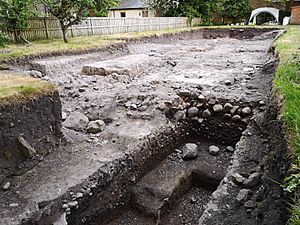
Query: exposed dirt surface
x=116 y=129
x=30 y=126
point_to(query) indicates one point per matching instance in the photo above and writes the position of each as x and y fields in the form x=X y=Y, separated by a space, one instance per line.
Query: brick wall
x=262 y=3
x=295 y=17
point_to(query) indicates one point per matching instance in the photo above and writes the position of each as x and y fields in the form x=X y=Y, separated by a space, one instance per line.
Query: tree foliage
x=68 y=12
x=188 y=8
x=14 y=16
x=102 y=7
x=3 y=39
x=202 y=8
x=235 y=10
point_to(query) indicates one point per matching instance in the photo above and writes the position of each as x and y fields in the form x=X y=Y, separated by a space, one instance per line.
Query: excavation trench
x=159 y=187
x=208 y=88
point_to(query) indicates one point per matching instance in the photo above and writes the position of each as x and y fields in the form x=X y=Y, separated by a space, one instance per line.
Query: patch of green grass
x=16 y=88
x=295 y=211
x=52 y=46
x=27 y=90
x=287 y=82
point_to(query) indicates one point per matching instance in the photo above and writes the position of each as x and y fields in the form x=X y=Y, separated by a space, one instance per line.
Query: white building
x=131 y=9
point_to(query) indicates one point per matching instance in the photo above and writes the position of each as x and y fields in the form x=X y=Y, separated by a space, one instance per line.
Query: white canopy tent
x=272 y=11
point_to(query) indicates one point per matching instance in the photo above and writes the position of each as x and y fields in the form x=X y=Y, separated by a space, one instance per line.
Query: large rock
x=243 y=195
x=189 y=151
x=26 y=148
x=35 y=73
x=213 y=150
x=227 y=107
x=129 y=65
x=238 y=178
x=252 y=180
x=180 y=115
x=95 y=127
x=76 y=121
x=193 y=111
x=206 y=113
x=218 y=108
x=246 y=111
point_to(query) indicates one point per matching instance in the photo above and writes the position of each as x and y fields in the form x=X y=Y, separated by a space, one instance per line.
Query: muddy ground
x=132 y=103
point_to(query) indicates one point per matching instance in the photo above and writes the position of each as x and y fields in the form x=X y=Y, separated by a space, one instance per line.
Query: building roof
x=130 y=4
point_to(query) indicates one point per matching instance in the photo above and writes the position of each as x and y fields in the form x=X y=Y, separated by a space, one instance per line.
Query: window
x=145 y=14
x=123 y=14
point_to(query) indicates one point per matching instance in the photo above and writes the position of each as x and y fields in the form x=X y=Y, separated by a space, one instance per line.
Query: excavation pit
x=158 y=183
x=210 y=86
x=176 y=190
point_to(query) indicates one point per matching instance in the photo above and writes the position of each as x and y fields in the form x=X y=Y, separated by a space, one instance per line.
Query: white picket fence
x=48 y=28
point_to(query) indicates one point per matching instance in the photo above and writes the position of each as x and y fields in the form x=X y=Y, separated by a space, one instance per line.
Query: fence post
x=91 y=24
x=110 y=26
x=46 y=28
x=72 y=35
x=126 y=26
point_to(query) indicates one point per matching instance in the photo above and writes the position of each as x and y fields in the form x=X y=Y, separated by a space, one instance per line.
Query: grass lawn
x=17 y=88
x=287 y=82
x=55 y=45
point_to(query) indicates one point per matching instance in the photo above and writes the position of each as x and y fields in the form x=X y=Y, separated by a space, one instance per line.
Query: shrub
x=3 y=39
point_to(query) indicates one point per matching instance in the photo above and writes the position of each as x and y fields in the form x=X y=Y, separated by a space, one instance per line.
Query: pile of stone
x=197 y=107
x=247 y=183
x=79 y=122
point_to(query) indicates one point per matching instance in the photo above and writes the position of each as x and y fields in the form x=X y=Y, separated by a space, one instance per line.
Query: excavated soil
x=148 y=108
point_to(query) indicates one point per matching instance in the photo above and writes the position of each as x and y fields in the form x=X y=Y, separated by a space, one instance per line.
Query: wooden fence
x=48 y=28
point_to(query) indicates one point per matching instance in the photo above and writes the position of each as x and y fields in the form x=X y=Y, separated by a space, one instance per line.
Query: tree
x=69 y=12
x=187 y=8
x=14 y=16
x=101 y=8
x=235 y=10
x=3 y=39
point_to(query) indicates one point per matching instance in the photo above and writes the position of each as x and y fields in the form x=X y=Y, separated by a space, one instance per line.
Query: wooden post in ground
x=46 y=27
x=91 y=24
x=72 y=35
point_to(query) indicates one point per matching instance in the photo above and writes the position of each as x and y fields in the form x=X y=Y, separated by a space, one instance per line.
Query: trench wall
x=38 y=121
x=262 y=149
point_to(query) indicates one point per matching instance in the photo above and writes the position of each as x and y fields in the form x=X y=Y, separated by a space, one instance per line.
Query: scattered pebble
x=213 y=150
x=206 y=113
x=228 y=82
x=201 y=98
x=79 y=195
x=193 y=200
x=14 y=205
x=249 y=204
x=212 y=101
x=230 y=149
x=65 y=206
x=246 y=111
x=236 y=118
x=193 y=111
x=218 y=108
x=227 y=107
x=243 y=195
x=95 y=127
x=189 y=151
x=238 y=178
x=252 y=180
x=72 y=204
x=6 y=186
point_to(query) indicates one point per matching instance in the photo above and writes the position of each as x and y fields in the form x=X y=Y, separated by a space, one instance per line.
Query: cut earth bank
x=177 y=129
